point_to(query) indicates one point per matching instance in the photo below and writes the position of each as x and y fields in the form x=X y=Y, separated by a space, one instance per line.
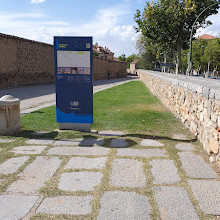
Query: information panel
x=73 y=75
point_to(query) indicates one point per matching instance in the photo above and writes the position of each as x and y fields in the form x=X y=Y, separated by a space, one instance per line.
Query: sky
x=109 y=22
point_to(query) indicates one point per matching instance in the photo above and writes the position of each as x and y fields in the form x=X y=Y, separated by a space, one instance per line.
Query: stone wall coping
x=6 y=36
x=47 y=44
x=209 y=88
x=8 y=100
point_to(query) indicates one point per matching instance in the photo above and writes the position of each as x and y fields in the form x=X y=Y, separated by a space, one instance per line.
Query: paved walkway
x=110 y=176
x=40 y=96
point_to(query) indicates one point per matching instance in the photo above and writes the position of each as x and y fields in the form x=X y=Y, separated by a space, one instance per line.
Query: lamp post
x=189 y=61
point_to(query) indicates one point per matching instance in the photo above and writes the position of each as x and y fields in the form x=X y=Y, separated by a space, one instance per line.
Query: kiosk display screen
x=73 y=75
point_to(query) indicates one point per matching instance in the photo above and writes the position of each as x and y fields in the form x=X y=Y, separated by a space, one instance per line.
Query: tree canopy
x=122 y=57
x=168 y=23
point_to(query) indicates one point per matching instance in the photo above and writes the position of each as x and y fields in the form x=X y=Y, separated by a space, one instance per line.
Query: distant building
x=133 y=66
x=103 y=52
x=115 y=59
x=206 y=37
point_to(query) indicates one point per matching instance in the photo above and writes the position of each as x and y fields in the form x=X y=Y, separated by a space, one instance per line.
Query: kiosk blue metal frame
x=73 y=77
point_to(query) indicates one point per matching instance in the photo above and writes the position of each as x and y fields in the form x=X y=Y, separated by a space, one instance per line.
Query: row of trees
x=128 y=59
x=204 y=53
x=165 y=27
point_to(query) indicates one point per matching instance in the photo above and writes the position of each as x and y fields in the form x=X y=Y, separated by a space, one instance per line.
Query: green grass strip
x=129 y=107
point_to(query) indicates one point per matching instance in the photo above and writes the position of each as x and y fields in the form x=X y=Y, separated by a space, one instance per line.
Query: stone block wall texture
x=27 y=62
x=101 y=67
x=194 y=100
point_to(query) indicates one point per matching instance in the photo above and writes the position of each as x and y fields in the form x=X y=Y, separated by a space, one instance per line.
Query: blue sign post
x=73 y=76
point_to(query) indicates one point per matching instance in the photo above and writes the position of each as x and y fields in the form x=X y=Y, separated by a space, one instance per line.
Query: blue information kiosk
x=73 y=76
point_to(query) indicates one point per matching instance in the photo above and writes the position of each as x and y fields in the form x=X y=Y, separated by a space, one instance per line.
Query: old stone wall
x=26 y=62
x=101 y=67
x=195 y=100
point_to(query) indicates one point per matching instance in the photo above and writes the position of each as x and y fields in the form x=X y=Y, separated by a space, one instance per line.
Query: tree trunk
x=178 y=58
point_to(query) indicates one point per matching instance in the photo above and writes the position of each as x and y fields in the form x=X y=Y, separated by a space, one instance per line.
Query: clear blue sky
x=110 y=22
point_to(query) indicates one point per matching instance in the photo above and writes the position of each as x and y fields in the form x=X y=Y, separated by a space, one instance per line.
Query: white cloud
x=213 y=29
x=104 y=27
x=37 y=1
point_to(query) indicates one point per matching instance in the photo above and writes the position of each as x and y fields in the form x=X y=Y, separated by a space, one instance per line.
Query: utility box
x=9 y=115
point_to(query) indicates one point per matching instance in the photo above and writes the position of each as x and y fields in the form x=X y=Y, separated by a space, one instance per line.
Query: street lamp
x=189 y=61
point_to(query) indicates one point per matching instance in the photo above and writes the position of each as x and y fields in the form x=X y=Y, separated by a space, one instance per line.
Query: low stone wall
x=195 y=100
x=27 y=62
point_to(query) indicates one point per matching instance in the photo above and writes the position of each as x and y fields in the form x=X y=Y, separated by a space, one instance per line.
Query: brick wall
x=26 y=62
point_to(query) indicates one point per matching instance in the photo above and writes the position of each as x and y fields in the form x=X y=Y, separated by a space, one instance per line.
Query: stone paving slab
x=195 y=166
x=29 y=149
x=184 y=146
x=80 y=181
x=74 y=142
x=124 y=206
x=151 y=143
x=39 y=141
x=39 y=133
x=86 y=163
x=12 y=165
x=174 y=203
x=119 y=143
x=35 y=175
x=92 y=151
x=180 y=137
x=142 y=152
x=66 y=205
x=164 y=171
x=80 y=142
x=14 y=207
x=111 y=133
x=127 y=173
x=207 y=192
x=5 y=140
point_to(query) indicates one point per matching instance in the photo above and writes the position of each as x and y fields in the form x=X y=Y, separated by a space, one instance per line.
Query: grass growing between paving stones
x=130 y=108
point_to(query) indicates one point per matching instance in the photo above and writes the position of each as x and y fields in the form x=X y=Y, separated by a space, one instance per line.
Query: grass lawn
x=129 y=107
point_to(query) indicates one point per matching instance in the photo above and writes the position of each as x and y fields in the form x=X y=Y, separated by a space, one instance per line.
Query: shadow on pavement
x=109 y=81
x=28 y=92
x=33 y=134
x=154 y=137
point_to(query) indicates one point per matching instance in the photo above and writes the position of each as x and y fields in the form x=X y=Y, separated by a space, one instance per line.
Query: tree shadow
x=35 y=135
x=155 y=137
x=107 y=143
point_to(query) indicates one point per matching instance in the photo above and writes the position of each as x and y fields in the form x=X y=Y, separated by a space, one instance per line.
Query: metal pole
x=189 y=69
x=208 y=67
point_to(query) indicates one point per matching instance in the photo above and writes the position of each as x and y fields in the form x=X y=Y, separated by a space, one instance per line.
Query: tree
x=169 y=22
x=122 y=57
x=203 y=52
x=152 y=53
x=212 y=53
x=131 y=58
x=198 y=48
x=95 y=53
x=148 y=53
